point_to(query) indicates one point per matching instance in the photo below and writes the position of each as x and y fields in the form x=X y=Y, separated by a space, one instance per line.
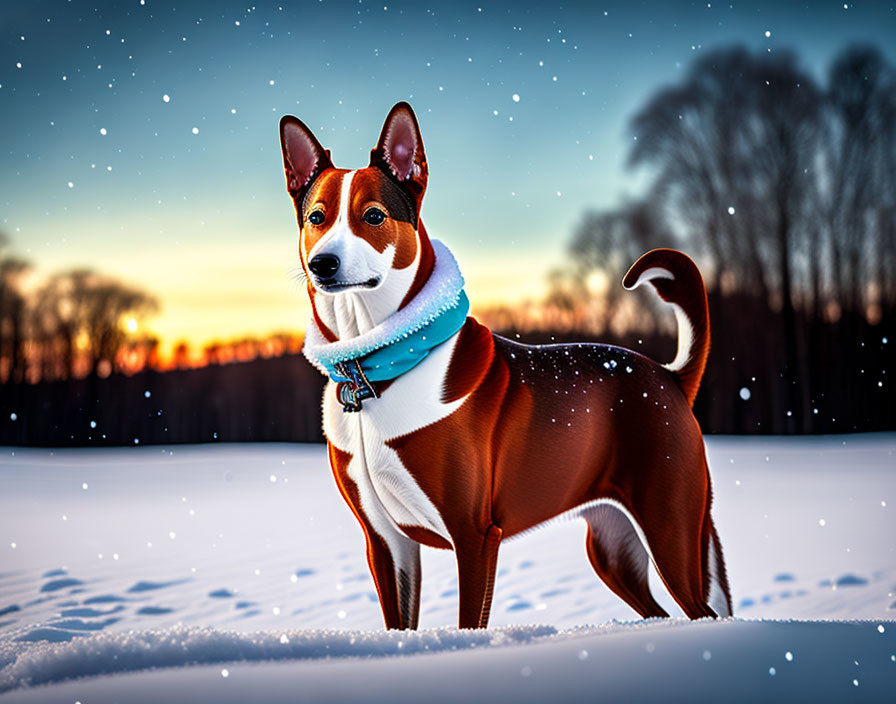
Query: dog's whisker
x=297 y=278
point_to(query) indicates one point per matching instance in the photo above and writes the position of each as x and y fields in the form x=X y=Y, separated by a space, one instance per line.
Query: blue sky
x=185 y=196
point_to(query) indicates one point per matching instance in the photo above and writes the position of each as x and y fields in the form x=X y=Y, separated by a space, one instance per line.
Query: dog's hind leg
x=672 y=518
x=715 y=586
x=619 y=558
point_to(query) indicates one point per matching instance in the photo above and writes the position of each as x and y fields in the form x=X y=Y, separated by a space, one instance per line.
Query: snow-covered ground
x=243 y=560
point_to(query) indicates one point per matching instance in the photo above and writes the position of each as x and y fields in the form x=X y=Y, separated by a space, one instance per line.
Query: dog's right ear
x=303 y=157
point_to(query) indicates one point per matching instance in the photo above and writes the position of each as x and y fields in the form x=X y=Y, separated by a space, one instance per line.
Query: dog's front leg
x=396 y=571
x=477 y=558
x=393 y=558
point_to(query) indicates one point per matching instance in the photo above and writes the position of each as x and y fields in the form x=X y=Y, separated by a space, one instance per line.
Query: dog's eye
x=374 y=216
x=316 y=218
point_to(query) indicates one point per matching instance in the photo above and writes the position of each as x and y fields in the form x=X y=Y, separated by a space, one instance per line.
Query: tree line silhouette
x=781 y=188
x=785 y=192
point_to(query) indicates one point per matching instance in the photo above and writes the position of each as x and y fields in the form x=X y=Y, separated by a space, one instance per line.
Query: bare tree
x=732 y=148
x=12 y=314
x=604 y=245
x=80 y=313
x=862 y=156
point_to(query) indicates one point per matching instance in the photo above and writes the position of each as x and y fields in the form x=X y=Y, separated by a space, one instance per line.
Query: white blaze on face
x=359 y=262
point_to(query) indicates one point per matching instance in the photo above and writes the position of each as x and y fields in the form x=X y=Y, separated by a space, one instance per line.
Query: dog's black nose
x=324 y=265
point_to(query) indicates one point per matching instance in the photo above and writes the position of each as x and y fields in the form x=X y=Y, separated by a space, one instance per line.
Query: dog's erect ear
x=303 y=157
x=399 y=152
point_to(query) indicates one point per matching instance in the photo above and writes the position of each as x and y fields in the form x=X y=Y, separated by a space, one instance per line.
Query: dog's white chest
x=390 y=496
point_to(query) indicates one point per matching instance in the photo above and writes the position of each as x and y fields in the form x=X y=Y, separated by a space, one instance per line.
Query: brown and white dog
x=486 y=438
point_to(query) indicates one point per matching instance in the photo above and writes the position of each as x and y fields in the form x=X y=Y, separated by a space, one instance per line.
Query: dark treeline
x=784 y=192
x=269 y=400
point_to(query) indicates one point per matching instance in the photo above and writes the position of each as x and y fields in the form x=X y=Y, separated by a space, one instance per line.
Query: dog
x=441 y=433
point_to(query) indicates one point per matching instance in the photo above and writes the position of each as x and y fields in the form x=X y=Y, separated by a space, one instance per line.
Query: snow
x=267 y=580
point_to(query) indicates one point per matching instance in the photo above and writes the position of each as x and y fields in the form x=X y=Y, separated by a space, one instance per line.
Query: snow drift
x=146 y=573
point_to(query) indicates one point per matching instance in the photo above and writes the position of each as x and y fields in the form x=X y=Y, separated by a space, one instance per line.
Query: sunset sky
x=140 y=138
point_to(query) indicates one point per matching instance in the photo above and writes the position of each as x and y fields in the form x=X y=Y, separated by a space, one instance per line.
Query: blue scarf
x=395 y=359
x=406 y=337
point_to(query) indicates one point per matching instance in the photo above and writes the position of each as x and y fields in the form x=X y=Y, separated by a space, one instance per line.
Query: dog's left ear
x=399 y=152
x=303 y=156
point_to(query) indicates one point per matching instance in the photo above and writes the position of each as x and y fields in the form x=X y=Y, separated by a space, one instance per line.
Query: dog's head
x=359 y=230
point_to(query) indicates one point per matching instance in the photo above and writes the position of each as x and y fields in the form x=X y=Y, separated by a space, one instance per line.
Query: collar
x=400 y=342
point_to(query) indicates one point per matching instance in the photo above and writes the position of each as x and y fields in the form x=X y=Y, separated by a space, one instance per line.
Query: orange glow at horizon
x=226 y=301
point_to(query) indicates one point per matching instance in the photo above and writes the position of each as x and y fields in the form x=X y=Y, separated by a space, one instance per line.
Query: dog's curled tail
x=678 y=282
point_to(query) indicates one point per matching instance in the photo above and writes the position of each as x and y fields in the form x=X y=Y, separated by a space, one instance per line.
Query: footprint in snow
x=147 y=586
x=104 y=599
x=55 y=573
x=784 y=577
x=554 y=592
x=87 y=612
x=851 y=580
x=221 y=594
x=53 y=635
x=519 y=606
x=77 y=624
x=57 y=584
x=154 y=611
x=9 y=609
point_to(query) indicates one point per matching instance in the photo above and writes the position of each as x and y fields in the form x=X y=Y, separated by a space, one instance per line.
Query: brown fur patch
x=328 y=334
x=371 y=189
x=424 y=268
x=324 y=196
x=470 y=360
x=425 y=537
